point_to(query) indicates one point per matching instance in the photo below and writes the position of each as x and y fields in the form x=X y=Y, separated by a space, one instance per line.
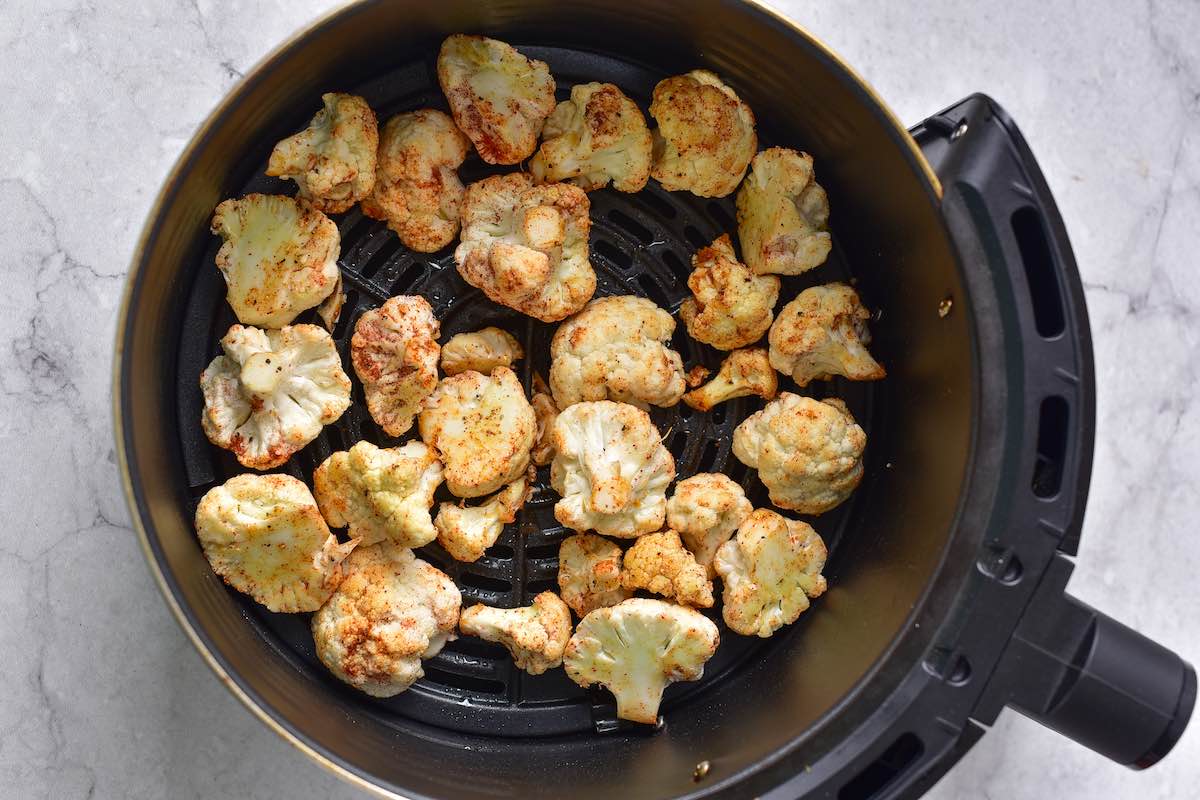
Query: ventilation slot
x=409 y=277
x=484 y=582
x=631 y=226
x=676 y=265
x=613 y=254
x=653 y=290
x=1040 y=275
x=1051 y=446
x=376 y=260
x=537 y=587
x=695 y=237
x=721 y=216
x=879 y=773
x=434 y=675
x=542 y=551
x=656 y=204
x=708 y=461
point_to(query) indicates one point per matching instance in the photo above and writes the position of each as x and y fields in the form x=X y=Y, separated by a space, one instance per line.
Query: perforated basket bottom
x=640 y=244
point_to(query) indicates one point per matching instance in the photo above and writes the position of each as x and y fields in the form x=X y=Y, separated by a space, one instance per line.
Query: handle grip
x=1097 y=681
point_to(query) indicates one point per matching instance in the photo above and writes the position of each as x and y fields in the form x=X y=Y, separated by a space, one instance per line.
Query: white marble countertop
x=105 y=698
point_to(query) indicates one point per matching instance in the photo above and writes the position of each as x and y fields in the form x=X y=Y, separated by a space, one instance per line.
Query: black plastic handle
x=1091 y=678
x=1068 y=666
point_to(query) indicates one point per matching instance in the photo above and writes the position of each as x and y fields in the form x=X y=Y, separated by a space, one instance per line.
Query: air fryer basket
x=933 y=561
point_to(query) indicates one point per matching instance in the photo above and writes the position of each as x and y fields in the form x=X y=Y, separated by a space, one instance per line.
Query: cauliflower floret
x=697 y=375
x=782 y=213
x=417 y=190
x=330 y=309
x=483 y=428
x=616 y=349
x=526 y=246
x=279 y=257
x=611 y=469
x=597 y=136
x=658 y=563
x=271 y=392
x=481 y=351
x=822 y=333
x=535 y=635
x=391 y=610
x=636 y=649
x=743 y=373
x=265 y=537
x=380 y=494
x=332 y=161
x=706 y=509
x=730 y=306
x=466 y=532
x=589 y=573
x=498 y=97
x=395 y=354
x=546 y=411
x=808 y=452
x=770 y=570
x=705 y=136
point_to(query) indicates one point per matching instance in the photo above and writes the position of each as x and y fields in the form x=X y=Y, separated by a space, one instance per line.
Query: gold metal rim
x=172 y=178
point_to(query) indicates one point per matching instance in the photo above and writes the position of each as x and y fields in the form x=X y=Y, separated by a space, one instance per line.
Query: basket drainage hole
x=721 y=216
x=695 y=237
x=1053 y=420
x=891 y=764
x=612 y=253
x=465 y=682
x=630 y=226
x=542 y=551
x=653 y=290
x=676 y=265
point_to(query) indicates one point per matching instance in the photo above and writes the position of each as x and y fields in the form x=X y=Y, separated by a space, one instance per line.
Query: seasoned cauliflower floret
x=482 y=351
x=466 y=532
x=546 y=411
x=264 y=535
x=808 y=452
x=705 y=136
x=417 y=190
x=611 y=469
x=770 y=570
x=332 y=161
x=597 y=136
x=822 y=333
x=706 y=509
x=483 y=428
x=658 y=563
x=535 y=635
x=279 y=257
x=730 y=306
x=391 y=610
x=271 y=392
x=526 y=246
x=636 y=649
x=380 y=494
x=498 y=97
x=782 y=214
x=743 y=373
x=616 y=349
x=395 y=354
x=589 y=573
